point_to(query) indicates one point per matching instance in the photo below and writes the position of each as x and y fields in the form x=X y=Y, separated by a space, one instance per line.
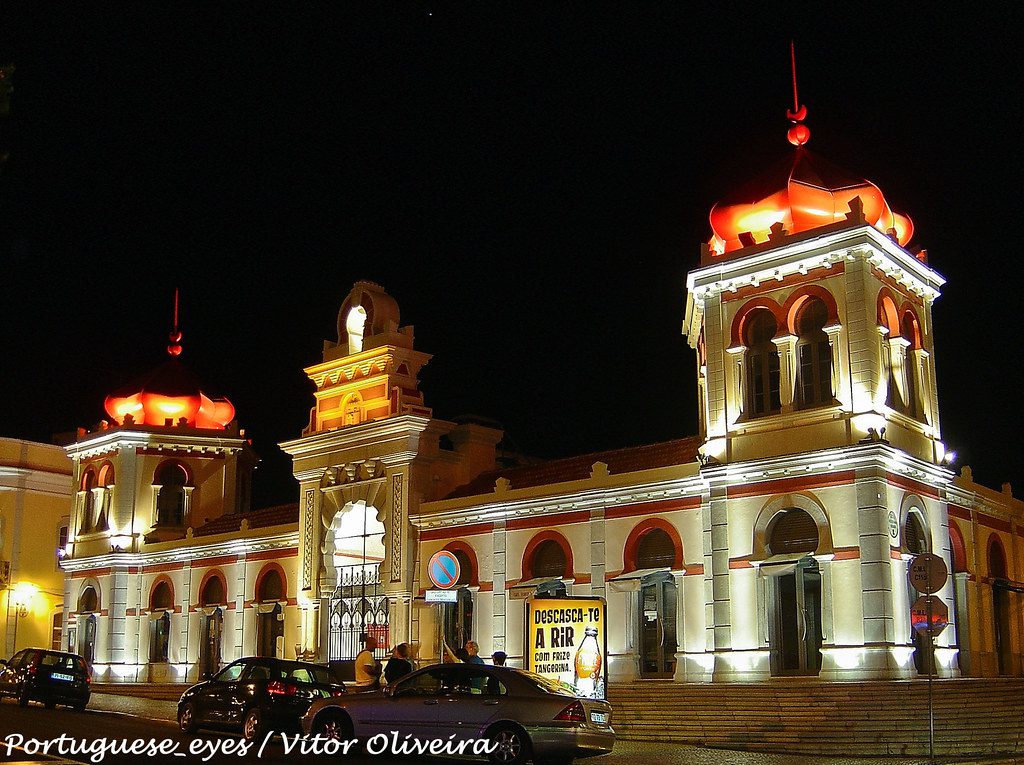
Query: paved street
x=119 y=717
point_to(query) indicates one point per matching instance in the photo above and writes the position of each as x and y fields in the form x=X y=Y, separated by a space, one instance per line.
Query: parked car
x=52 y=677
x=255 y=695
x=524 y=715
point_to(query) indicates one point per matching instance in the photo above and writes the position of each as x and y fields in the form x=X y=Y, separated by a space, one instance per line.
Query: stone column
x=787 y=370
x=597 y=553
x=898 y=357
x=736 y=385
x=839 y=391
x=117 y=616
x=498 y=595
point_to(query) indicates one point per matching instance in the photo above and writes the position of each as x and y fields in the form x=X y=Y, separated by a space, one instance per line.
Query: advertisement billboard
x=566 y=641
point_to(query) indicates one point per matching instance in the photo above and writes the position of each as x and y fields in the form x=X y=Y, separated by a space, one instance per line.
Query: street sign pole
x=931 y=671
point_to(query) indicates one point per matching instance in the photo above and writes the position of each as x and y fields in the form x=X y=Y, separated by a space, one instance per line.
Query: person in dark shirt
x=398 y=665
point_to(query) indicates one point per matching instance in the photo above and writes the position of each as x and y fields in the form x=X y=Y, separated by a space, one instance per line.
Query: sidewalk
x=137 y=706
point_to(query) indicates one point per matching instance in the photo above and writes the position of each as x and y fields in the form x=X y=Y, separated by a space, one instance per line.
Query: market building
x=774 y=542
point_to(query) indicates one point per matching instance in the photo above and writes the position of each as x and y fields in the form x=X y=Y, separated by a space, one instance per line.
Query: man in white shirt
x=367 y=667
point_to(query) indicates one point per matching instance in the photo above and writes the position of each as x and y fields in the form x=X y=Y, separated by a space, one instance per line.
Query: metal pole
x=931 y=671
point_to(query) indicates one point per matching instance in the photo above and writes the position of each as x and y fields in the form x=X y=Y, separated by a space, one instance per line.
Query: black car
x=52 y=677
x=257 y=695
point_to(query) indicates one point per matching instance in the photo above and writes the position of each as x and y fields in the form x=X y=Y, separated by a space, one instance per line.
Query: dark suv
x=52 y=677
x=257 y=695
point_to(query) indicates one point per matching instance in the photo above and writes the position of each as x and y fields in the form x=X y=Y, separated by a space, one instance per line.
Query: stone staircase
x=807 y=716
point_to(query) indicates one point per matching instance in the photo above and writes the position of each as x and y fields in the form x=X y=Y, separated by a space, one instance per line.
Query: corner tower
x=811 y=318
x=170 y=459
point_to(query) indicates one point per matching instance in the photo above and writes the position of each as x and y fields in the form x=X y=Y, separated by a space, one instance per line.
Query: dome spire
x=174 y=338
x=799 y=134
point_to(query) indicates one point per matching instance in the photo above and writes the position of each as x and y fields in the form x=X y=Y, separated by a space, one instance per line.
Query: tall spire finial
x=799 y=134
x=174 y=346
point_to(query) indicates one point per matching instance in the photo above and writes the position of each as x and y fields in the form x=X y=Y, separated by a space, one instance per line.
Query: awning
x=639 y=574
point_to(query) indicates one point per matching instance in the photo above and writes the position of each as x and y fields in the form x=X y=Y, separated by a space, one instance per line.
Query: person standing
x=473 y=653
x=367 y=667
x=398 y=665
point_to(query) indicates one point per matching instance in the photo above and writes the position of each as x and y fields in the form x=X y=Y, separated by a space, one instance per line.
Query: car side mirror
x=390 y=691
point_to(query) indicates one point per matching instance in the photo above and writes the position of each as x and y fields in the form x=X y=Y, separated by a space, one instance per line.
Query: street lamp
x=21 y=595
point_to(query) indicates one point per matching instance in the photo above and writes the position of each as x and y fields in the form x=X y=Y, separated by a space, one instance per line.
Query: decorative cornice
x=190 y=552
x=823 y=250
x=503 y=508
x=372 y=433
x=117 y=439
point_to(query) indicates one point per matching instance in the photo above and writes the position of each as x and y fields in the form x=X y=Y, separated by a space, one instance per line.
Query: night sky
x=530 y=182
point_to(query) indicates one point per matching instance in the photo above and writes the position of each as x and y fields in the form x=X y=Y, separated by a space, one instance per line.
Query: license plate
x=62 y=676
x=599 y=717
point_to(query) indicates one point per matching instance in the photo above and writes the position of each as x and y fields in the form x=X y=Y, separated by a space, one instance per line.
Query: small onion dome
x=167 y=395
x=802 y=192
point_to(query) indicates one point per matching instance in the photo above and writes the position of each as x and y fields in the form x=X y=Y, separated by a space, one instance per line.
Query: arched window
x=88 y=521
x=160 y=602
x=548 y=561
x=910 y=332
x=996 y=559
x=355 y=324
x=89 y=601
x=792 y=531
x=352 y=412
x=162 y=598
x=271 y=587
x=814 y=376
x=915 y=534
x=170 y=501
x=762 y=364
x=107 y=475
x=655 y=550
x=958 y=548
x=213 y=592
x=466 y=569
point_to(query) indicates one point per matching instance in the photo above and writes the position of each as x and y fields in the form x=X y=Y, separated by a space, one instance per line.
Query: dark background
x=530 y=182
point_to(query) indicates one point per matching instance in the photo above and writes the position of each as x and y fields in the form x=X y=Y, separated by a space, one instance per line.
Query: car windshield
x=545 y=684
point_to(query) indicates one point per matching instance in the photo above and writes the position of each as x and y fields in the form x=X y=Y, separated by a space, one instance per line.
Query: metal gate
x=358 y=607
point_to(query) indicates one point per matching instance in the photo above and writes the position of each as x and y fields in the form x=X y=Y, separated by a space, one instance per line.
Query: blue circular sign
x=443 y=570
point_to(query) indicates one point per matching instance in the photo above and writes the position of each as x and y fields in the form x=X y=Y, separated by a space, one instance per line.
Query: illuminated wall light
x=746 y=661
x=902 y=655
x=847 y=658
x=946 y=657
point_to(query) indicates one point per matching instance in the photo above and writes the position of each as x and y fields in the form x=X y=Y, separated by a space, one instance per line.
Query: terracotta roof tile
x=258 y=519
x=628 y=460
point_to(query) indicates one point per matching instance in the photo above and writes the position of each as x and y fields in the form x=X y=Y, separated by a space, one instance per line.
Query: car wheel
x=510 y=746
x=252 y=726
x=332 y=726
x=23 y=698
x=79 y=706
x=187 y=718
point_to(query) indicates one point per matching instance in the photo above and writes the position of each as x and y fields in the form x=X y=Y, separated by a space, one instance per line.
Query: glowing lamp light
x=22 y=595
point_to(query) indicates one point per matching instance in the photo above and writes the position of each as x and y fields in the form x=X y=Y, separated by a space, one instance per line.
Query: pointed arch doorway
x=359 y=606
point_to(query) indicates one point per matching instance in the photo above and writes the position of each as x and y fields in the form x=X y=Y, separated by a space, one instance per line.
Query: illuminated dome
x=167 y=395
x=802 y=192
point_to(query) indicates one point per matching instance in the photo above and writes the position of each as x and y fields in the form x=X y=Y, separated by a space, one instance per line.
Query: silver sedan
x=520 y=715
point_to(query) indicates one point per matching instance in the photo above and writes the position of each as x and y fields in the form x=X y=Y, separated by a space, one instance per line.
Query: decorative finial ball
x=174 y=346
x=798 y=135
